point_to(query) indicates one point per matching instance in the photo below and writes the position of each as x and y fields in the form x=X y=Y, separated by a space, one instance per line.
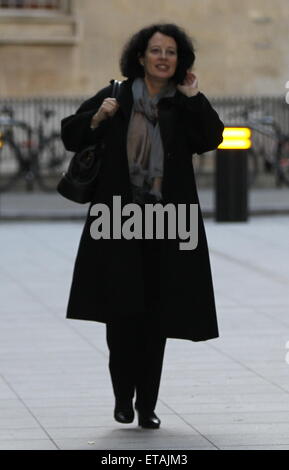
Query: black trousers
x=136 y=344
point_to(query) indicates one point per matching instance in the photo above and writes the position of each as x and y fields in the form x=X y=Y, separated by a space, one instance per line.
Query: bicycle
x=200 y=161
x=38 y=157
x=274 y=152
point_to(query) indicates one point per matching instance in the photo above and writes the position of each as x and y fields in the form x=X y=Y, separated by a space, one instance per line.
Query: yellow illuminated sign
x=236 y=138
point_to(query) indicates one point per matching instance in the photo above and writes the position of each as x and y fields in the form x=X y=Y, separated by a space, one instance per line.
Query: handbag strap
x=115 y=88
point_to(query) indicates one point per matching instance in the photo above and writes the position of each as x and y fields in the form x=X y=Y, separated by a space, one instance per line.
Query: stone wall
x=241 y=46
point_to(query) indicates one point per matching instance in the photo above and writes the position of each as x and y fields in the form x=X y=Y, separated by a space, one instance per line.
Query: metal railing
x=274 y=106
x=29 y=110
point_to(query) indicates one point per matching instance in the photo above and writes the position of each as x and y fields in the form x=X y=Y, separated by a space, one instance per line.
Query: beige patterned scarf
x=144 y=143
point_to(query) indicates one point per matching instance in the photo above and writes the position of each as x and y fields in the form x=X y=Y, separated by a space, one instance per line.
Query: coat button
x=170 y=155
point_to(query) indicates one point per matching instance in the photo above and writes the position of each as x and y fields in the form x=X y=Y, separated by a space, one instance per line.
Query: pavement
x=44 y=206
x=230 y=392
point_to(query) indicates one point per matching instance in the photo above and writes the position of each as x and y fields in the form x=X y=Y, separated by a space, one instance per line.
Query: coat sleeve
x=75 y=129
x=203 y=126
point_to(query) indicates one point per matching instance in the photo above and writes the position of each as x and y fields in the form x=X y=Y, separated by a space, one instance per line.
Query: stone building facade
x=72 y=47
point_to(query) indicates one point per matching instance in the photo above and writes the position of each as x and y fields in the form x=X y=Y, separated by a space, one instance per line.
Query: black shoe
x=148 y=419
x=124 y=413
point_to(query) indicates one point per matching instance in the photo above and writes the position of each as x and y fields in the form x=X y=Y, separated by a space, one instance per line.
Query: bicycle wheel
x=10 y=167
x=52 y=161
x=283 y=160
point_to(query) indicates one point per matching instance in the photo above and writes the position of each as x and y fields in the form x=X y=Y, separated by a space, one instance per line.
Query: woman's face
x=160 y=58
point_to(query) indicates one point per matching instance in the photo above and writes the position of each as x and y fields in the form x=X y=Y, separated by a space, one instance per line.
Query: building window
x=54 y=5
x=41 y=22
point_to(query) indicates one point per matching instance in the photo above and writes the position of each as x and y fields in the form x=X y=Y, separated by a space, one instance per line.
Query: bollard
x=231 y=175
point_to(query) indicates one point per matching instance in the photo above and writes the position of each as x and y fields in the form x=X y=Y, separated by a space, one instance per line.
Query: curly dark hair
x=137 y=44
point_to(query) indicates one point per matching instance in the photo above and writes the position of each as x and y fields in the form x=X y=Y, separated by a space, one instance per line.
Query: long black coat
x=107 y=278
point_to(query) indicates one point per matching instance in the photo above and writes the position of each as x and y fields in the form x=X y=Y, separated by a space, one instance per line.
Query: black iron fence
x=230 y=109
x=264 y=111
x=257 y=107
x=29 y=109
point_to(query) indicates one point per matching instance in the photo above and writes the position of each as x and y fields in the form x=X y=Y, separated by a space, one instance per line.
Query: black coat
x=107 y=278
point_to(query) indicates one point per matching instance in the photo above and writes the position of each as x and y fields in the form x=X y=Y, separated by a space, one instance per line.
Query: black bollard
x=231 y=180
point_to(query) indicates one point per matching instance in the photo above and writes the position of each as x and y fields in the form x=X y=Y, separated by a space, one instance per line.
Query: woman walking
x=145 y=290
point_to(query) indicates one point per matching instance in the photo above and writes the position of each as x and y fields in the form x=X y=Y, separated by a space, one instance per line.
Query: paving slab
x=231 y=392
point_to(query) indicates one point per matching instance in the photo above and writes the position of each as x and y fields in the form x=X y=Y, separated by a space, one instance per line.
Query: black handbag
x=78 y=183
